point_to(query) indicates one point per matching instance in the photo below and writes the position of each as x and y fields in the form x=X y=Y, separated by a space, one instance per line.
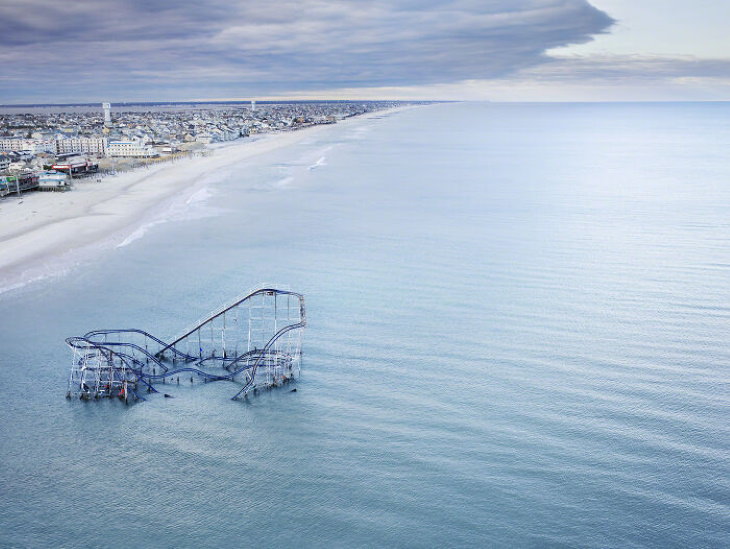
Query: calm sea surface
x=519 y=321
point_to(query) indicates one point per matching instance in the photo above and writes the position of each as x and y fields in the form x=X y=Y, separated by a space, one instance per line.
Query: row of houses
x=98 y=146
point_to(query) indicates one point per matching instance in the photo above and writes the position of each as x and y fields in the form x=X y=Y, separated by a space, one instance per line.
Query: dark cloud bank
x=53 y=50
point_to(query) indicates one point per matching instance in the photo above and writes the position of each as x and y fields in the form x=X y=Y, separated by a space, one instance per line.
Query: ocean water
x=518 y=337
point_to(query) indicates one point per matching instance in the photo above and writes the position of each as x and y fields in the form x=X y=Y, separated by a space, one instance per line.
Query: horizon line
x=275 y=101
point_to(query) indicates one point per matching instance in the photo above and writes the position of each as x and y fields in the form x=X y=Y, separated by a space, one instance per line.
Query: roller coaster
x=254 y=341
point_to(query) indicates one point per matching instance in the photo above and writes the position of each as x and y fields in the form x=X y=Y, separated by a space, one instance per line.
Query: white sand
x=38 y=228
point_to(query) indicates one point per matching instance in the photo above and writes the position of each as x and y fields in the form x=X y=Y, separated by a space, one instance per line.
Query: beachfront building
x=130 y=148
x=90 y=145
x=34 y=146
x=53 y=181
x=18 y=183
x=75 y=166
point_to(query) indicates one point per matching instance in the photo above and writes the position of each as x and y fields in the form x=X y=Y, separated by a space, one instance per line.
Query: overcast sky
x=555 y=50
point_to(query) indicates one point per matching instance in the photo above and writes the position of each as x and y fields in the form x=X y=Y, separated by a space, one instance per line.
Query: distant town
x=49 y=148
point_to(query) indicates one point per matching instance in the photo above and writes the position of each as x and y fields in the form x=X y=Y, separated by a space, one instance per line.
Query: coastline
x=38 y=229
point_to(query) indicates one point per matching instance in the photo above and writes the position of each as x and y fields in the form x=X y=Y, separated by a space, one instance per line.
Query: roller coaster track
x=266 y=322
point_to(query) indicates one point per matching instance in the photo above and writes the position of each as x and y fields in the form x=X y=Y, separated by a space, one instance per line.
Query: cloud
x=634 y=67
x=156 y=49
x=571 y=78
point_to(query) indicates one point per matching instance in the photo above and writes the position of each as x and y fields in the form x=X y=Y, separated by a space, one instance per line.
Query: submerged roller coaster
x=255 y=341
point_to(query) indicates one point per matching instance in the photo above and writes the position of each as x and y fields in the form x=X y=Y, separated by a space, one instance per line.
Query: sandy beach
x=37 y=228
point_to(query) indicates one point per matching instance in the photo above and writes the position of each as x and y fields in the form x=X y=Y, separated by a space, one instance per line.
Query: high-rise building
x=93 y=145
x=107 y=113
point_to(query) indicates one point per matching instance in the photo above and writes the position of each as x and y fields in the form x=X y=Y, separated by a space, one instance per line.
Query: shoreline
x=37 y=229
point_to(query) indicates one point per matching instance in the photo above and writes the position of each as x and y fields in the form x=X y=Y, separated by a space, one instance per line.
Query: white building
x=17 y=166
x=130 y=148
x=53 y=180
x=4 y=163
x=33 y=145
x=91 y=145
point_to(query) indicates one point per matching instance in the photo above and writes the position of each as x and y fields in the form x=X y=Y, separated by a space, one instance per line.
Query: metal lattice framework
x=255 y=341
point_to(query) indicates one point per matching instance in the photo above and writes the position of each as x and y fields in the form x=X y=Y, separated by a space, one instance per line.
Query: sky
x=67 y=51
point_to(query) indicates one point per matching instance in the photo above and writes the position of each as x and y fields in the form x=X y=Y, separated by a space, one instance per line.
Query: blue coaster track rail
x=254 y=341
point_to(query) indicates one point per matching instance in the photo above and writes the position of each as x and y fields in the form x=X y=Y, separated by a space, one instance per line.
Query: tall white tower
x=253 y=106
x=107 y=114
